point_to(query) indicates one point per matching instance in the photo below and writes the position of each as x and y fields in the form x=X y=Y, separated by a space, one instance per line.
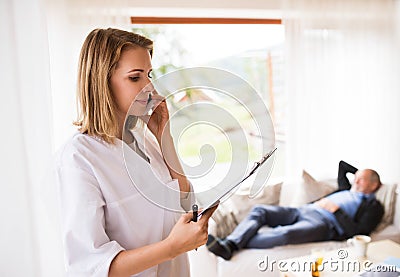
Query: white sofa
x=246 y=262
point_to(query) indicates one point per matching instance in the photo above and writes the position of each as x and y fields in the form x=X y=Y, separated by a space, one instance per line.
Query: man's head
x=366 y=181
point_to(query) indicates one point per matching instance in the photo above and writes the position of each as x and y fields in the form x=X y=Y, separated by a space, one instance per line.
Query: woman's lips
x=143 y=102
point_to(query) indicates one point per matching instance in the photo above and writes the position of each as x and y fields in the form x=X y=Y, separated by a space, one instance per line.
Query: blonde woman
x=109 y=228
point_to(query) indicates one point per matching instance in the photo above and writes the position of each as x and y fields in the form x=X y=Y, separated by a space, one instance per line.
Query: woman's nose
x=149 y=85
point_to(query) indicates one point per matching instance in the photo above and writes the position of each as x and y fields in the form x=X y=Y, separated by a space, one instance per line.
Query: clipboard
x=252 y=171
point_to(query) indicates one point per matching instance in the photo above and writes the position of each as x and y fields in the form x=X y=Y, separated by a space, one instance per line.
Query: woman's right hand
x=187 y=235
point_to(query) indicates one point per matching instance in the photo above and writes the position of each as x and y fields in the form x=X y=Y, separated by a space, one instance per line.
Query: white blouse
x=103 y=212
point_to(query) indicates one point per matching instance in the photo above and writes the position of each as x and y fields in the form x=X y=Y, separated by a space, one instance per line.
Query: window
x=252 y=51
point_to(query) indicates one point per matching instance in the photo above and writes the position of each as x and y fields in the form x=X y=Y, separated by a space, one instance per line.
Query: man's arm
x=367 y=218
x=343 y=181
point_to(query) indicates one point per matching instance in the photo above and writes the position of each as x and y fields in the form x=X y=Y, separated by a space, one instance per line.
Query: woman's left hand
x=159 y=120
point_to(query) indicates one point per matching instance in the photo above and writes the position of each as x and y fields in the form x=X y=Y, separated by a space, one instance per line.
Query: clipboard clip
x=260 y=162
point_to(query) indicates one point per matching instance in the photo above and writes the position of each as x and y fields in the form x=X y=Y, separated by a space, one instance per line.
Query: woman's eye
x=134 y=79
x=150 y=75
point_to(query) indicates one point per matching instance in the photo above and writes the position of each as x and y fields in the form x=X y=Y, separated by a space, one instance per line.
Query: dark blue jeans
x=290 y=226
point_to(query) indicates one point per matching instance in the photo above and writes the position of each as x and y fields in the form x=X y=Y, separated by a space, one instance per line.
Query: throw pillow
x=243 y=203
x=234 y=209
x=311 y=190
x=387 y=196
x=224 y=220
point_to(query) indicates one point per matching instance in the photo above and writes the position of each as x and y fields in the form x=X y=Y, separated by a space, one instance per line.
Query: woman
x=109 y=228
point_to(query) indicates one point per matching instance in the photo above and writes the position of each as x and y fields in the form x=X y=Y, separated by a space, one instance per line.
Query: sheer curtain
x=26 y=139
x=343 y=86
x=69 y=22
x=38 y=61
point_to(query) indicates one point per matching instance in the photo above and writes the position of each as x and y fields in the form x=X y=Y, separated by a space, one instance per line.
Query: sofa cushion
x=243 y=203
x=310 y=190
x=234 y=209
x=390 y=232
x=387 y=196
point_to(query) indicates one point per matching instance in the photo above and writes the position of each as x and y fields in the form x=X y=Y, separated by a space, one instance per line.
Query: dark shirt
x=348 y=202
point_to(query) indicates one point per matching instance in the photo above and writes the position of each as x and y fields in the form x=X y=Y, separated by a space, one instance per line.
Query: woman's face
x=131 y=75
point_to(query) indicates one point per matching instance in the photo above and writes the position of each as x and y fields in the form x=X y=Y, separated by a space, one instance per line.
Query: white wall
x=209 y=4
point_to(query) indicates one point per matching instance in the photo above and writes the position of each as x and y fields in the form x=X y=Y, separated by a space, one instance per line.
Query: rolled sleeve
x=187 y=199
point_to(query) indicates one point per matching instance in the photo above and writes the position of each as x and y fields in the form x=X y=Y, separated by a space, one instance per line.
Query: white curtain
x=26 y=140
x=343 y=87
x=39 y=50
x=69 y=22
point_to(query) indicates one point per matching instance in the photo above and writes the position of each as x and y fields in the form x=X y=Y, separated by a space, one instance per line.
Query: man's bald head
x=367 y=181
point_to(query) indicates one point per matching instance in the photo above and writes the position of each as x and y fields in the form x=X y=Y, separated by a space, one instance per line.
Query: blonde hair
x=100 y=53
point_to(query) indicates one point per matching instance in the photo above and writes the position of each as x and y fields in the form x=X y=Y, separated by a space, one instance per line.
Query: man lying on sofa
x=348 y=211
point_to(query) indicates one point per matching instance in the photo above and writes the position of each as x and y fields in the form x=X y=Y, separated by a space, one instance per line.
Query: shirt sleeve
x=343 y=181
x=187 y=198
x=88 y=249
